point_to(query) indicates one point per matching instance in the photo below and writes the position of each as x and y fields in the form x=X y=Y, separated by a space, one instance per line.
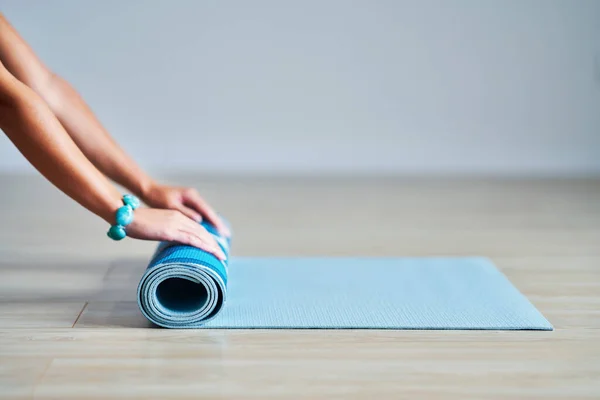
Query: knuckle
x=191 y=213
x=181 y=217
x=172 y=203
x=191 y=192
x=190 y=239
x=169 y=235
x=174 y=216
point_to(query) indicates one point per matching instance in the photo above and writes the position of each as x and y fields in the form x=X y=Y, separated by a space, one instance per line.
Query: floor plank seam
x=80 y=313
x=39 y=380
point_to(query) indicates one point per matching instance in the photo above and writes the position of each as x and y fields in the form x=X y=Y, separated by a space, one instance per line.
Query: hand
x=172 y=226
x=185 y=200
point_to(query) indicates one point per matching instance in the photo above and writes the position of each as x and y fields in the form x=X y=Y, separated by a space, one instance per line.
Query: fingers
x=188 y=212
x=193 y=239
x=200 y=237
x=193 y=199
x=172 y=226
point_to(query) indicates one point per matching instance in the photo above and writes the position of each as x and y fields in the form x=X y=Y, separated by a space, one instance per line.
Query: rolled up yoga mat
x=184 y=287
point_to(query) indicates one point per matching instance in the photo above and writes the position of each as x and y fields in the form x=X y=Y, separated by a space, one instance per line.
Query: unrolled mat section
x=184 y=287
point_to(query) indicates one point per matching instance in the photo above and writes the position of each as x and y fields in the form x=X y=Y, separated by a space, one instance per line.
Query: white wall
x=475 y=86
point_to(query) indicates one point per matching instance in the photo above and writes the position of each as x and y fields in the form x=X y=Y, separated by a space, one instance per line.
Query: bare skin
x=59 y=135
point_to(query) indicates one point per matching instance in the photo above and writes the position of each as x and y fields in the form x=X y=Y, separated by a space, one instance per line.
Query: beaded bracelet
x=123 y=217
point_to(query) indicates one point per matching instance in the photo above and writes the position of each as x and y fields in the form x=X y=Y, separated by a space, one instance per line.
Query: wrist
x=123 y=217
x=109 y=208
x=145 y=187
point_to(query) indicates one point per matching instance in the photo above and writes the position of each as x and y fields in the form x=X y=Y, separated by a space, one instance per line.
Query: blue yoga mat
x=184 y=287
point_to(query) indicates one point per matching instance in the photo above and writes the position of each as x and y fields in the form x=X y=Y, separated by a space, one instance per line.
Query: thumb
x=188 y=212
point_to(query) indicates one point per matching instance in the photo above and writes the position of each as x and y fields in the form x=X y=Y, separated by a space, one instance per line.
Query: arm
x=105 y=153
x=35 y=131
x=32 y=127
x=89 y=134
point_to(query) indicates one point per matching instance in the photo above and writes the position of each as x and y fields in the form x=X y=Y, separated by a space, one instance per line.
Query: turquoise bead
x=124 y=216
x=131 y=201
x=116 y=232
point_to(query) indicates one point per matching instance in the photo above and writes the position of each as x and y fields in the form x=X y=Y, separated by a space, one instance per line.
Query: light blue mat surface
x=334 y=293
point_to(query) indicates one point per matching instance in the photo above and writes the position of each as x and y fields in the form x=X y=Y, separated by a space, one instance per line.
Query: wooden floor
x=69 y=327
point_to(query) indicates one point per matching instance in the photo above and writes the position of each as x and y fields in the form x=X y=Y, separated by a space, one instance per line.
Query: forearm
x=72 y=112
x=91 y=137
x=39 y=136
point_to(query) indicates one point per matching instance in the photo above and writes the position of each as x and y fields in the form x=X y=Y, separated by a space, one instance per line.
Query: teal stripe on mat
x=185 y=287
